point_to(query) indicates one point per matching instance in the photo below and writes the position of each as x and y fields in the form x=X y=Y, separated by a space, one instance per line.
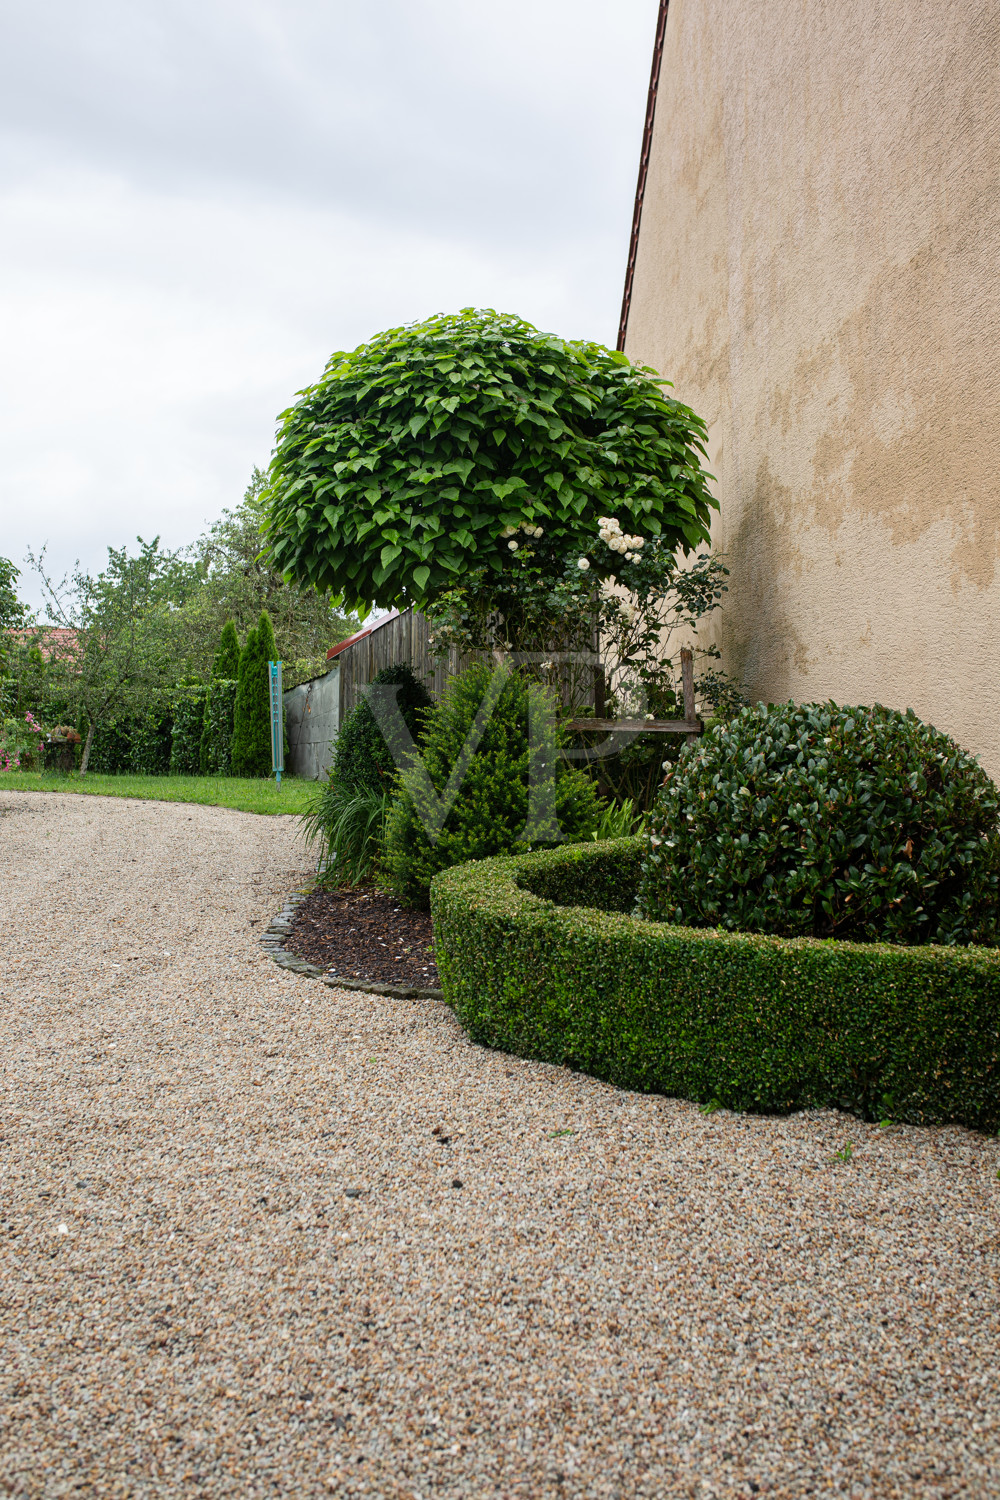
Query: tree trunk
x=85 y=757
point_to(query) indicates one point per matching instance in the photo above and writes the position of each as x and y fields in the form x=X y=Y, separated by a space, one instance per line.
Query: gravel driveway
x=262 y=1237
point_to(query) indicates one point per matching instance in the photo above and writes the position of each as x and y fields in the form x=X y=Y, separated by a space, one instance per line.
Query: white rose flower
x=512 y=546
x=539 y=531
x=583 y=563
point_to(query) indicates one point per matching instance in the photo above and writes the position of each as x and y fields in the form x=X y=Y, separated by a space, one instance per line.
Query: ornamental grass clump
x=816 y=820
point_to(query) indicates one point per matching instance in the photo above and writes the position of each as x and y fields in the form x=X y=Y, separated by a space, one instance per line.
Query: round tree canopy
x=413 y=459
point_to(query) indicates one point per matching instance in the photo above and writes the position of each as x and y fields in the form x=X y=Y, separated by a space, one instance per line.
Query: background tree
x=14 y=613
x=22 y=668
x=235 y=584
x=251 y=746
x=415 y=459
x=123 y=620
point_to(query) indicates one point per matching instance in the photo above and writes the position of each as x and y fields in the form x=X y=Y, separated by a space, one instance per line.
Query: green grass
x=242 y=793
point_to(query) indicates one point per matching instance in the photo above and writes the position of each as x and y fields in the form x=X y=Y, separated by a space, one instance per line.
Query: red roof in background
x=359 y=635
x=54 y=640
x=343 y=645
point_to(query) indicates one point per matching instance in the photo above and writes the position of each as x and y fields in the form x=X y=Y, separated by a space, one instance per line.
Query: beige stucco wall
x=818 y=272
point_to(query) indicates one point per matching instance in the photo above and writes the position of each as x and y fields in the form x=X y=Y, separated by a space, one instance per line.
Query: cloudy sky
x=201 y=199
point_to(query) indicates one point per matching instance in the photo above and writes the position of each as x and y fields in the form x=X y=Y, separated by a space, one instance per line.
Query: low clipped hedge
x=539 y=956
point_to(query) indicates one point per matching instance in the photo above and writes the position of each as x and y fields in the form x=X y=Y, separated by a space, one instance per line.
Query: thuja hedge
x=539 y=956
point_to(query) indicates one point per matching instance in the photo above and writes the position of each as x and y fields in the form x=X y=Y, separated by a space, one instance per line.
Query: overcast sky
x=200 y=200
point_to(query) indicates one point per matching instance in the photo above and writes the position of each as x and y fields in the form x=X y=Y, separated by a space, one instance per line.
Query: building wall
x=818 y=272
x=312 y=718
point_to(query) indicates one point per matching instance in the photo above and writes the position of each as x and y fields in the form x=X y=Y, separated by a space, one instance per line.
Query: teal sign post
x=277 y=722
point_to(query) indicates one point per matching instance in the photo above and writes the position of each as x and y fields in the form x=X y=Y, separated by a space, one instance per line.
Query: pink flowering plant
x=22 y=744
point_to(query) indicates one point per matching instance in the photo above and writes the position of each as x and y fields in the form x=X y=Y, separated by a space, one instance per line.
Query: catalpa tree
x=421 y=457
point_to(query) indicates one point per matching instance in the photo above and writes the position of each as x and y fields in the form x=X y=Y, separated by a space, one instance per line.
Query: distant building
x=55 y=642
x=816 y=266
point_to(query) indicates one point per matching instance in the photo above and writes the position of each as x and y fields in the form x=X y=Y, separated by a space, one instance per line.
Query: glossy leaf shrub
x=540 y=956
x=819 y=820
x=414 y=459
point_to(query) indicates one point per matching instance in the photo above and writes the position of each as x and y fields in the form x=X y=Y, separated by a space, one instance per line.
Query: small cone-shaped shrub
x=227 y=658
x=214 y=755
x=491 y=813
x=251 y=754
x=361 y=756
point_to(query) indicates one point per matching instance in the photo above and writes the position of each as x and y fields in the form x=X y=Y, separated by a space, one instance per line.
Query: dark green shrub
x=135 y=744
x=186 y=731
x=361 y=757
x=861 y=823
x=350 y=823
x=227 y=658
x=251 y=744
x=490 y=811
x=217 y=733
x=750 y=1021
x=225 y=668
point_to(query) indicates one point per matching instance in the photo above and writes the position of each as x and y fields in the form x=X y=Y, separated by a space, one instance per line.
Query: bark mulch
x=360 y=933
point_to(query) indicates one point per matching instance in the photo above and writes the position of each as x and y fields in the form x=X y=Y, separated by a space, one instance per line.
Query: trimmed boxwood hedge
x=539 y=956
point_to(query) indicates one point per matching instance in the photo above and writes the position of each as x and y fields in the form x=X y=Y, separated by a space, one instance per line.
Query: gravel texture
x=265 y=1237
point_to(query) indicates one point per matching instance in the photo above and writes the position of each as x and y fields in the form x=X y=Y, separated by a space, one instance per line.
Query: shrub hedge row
x=539 y=956
x=215 y=757
x=186 y=730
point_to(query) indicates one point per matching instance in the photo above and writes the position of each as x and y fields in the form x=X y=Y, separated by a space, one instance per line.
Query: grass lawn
x=242 y=793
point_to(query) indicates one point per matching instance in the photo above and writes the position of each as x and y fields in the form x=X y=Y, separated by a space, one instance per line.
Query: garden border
x=272 y=940
x=753 y=1022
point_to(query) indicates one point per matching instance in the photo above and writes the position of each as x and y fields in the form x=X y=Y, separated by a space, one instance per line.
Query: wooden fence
x=399 y=638
x=403 y=638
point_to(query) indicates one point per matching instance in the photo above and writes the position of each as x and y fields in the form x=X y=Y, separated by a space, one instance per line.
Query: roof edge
x=640 y=187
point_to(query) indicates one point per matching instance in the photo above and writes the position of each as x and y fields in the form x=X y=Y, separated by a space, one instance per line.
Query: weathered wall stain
x=818 y=273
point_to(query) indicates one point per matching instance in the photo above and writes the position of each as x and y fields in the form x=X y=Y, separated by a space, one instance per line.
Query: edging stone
x=272 y=940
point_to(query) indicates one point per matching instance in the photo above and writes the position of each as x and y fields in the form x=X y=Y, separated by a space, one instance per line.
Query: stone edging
x=273 y=941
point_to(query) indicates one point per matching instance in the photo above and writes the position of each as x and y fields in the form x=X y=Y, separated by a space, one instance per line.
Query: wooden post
x=600 y=692
x=687 y=679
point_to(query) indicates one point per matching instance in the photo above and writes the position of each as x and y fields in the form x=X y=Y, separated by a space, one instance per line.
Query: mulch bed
x=360 y=933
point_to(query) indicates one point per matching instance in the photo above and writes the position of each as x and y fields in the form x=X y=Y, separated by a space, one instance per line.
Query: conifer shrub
x=490 y=813
x=217 y=730
x=823 y=821
x=361 y=757
x=251 y=745
x=227 y=658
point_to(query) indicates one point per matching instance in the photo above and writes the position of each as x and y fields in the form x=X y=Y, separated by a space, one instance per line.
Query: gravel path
x=623 y=1298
